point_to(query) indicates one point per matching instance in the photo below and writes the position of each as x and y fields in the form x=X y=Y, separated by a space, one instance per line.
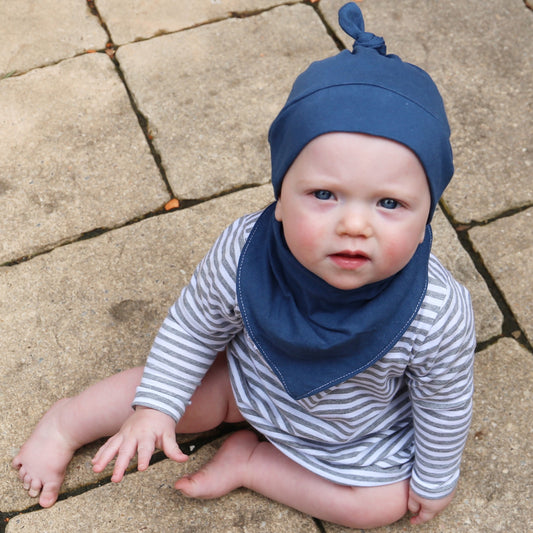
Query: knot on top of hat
x=352 y=22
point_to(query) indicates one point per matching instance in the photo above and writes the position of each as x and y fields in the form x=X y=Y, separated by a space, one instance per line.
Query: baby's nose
x=355 y=223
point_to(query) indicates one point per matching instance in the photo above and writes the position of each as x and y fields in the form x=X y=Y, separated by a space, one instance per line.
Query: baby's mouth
x=350 y=260
x=351 y=255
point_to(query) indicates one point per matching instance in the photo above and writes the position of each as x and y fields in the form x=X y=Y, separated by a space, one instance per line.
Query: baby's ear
x=279 y=209
x=423 y=236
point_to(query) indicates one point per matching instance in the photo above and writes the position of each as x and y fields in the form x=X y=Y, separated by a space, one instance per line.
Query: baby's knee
x=392 y=512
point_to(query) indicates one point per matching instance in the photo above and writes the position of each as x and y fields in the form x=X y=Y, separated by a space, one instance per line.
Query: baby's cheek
x=310 y=240
x=307 y=233
x=300 y=238
x=397 y=253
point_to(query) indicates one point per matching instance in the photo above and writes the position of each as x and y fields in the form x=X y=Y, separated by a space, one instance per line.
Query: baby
x=324 y=320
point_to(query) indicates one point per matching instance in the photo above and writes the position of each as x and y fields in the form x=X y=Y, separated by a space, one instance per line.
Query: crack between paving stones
x=4 y=520
x=214 y=20
x=318 y=523
x=330 y=31
x=478 y=223
x=97 y=232
x=144 y=125
x=187 y=203
x=142 y=120
x=254 y=12
x=230 y=14
x=510 y=325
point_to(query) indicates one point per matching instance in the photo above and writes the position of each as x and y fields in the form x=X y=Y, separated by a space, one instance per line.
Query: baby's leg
x=213 y=401
x=100 y=411
x=97 y=412
x=243 y=461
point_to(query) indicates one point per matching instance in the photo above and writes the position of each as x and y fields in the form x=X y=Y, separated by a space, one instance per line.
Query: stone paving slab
x=41 y=33
x=137 y=20
x=478 y=52
x=495 y=492
x=147 y=501
x=210 y=94
x=90 y=309
x=506 y=246
x=73 y=156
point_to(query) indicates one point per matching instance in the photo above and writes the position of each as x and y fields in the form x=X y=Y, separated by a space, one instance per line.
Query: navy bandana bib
x=313 y=335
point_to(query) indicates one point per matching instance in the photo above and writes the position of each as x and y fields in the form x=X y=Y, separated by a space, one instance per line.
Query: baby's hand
x=423 y=509
x=143 y=431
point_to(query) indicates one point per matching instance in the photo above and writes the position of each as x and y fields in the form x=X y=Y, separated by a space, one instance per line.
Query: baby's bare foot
x=43 y=459
x=225 y=472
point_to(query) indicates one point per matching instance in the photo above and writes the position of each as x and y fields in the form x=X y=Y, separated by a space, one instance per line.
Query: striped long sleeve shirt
x=407 y=416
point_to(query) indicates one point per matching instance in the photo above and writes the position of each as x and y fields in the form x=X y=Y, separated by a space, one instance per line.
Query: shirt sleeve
x=440 y=380
x=198 y=326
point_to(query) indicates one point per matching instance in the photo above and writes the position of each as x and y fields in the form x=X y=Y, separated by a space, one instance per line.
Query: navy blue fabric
x=313 y=335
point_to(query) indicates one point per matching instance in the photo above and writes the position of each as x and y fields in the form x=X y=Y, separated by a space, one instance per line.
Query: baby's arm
x=441 y=387
x=144 y=431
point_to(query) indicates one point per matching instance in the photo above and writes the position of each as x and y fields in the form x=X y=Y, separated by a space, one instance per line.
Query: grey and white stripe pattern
x=407 y=415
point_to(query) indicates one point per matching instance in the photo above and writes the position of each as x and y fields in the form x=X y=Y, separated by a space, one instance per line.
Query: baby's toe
x=49 y=494
x=35 y=488
x=26 y=481
x=22 y=473
x=187 y=486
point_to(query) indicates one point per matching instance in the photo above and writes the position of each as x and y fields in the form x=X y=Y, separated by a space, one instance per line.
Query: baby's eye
x=323 y=194
x=389 y=203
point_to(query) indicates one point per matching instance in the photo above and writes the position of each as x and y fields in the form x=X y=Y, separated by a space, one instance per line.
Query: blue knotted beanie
x=365 y=91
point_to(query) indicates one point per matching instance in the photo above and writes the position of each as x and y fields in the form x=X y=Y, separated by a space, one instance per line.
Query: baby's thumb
x=172 y=450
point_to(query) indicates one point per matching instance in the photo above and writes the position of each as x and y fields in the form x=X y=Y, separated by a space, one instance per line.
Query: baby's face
x=354 y=208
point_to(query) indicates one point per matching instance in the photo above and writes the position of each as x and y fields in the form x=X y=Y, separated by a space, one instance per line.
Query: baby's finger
x=172 y=450
x=125 y=454
x=421 y=518
x=106 y=453
x=145 y=450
